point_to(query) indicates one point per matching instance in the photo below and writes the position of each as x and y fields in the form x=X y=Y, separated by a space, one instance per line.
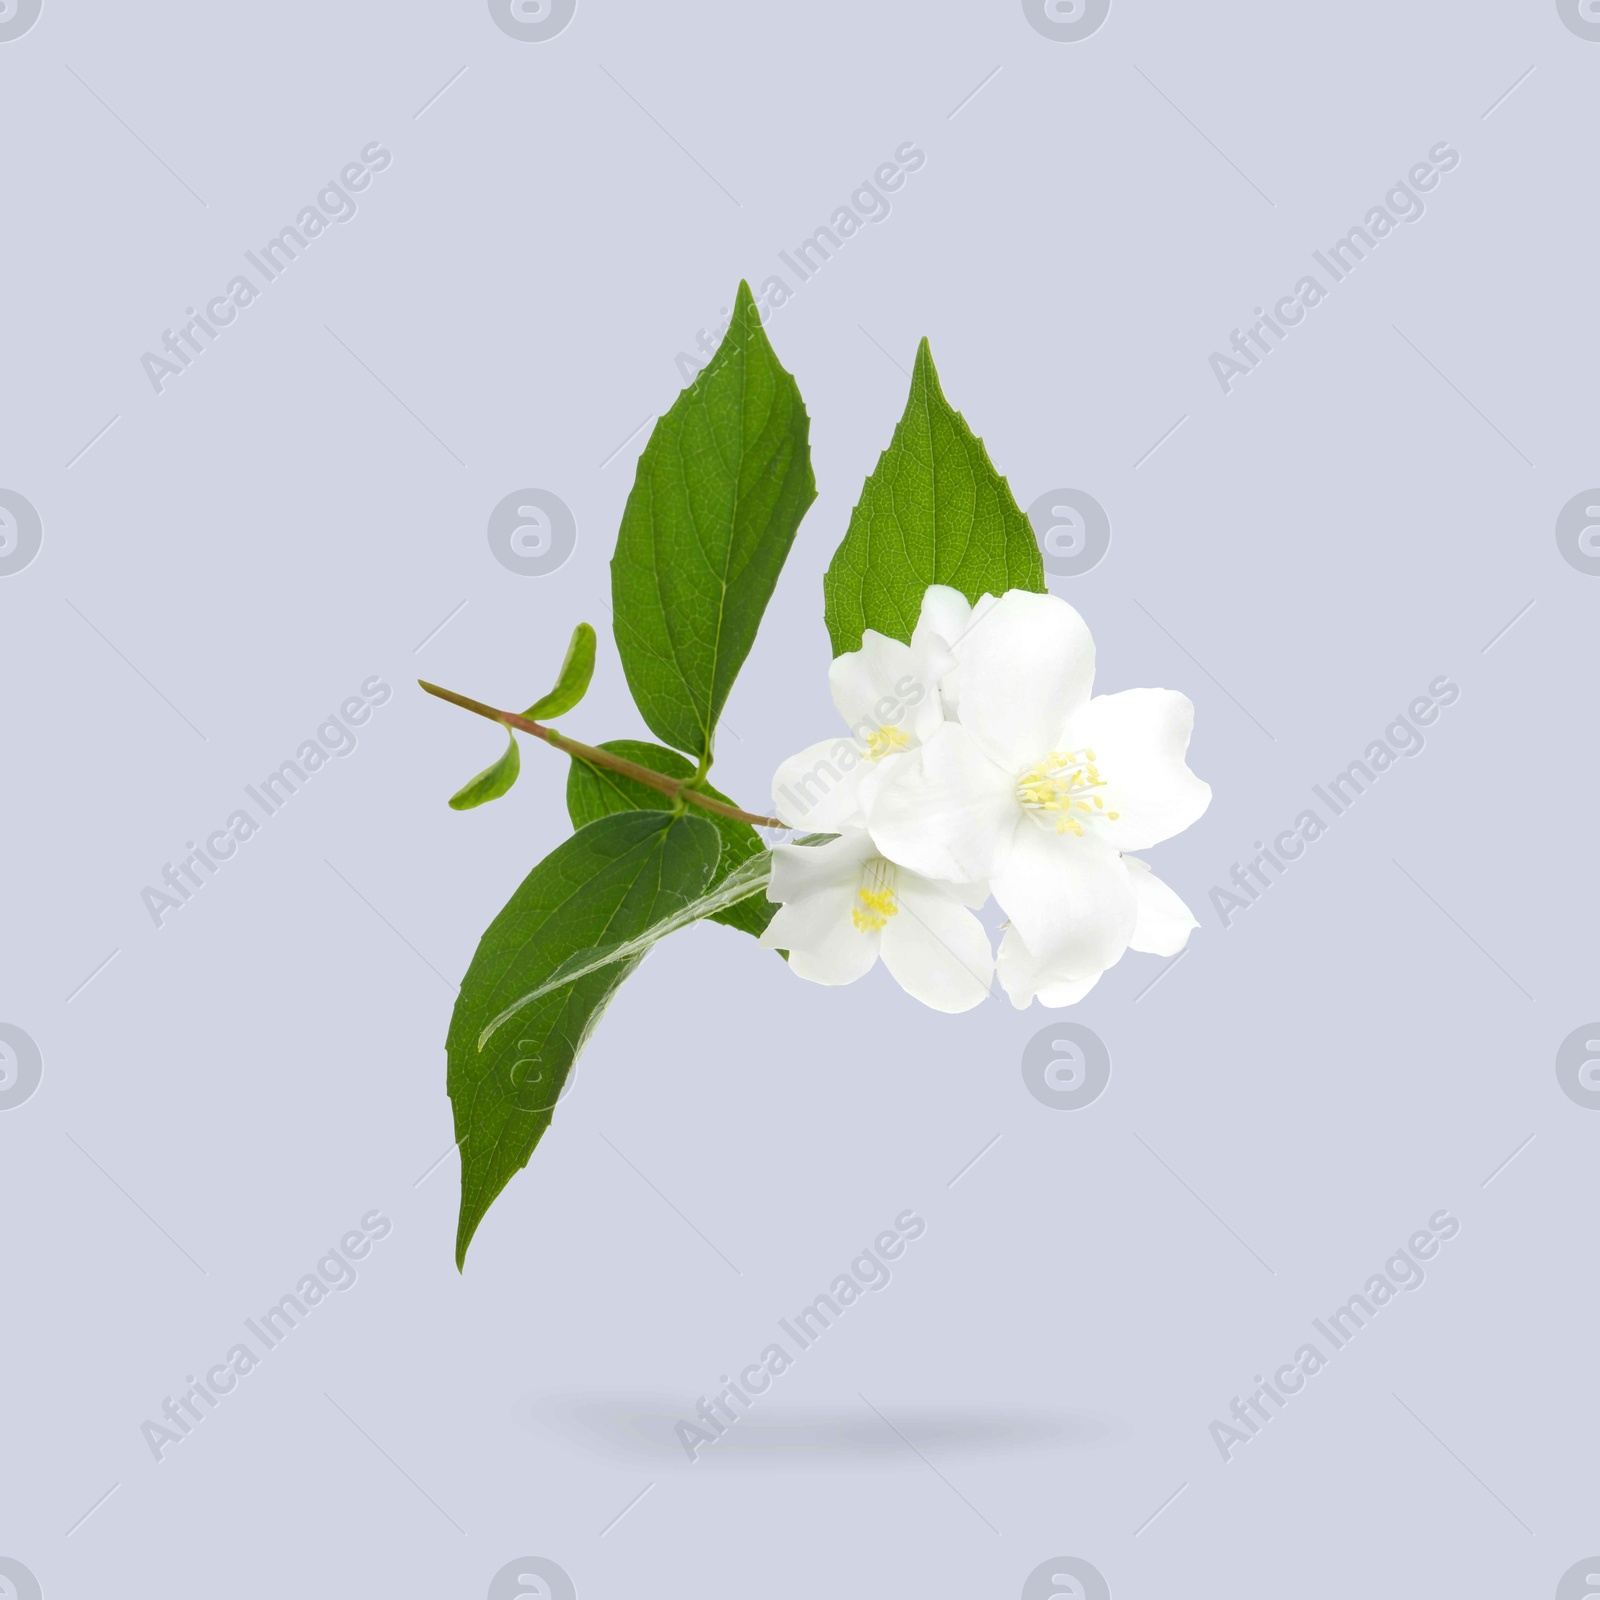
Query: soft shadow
x=775 y=1433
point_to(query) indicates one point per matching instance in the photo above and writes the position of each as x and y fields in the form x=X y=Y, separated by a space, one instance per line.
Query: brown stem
x=675 y=788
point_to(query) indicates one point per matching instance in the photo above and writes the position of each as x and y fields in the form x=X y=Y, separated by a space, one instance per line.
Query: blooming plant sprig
x=978 y=762
x=1009 y=779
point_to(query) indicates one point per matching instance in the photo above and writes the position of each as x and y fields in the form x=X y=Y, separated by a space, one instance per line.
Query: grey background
x=303 y=508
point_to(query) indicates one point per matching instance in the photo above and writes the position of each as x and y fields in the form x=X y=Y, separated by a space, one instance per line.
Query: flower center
x=876 y=899
x=885 y=741
x=1062 y=788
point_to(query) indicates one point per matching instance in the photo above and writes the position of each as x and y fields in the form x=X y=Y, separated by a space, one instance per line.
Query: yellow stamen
x=885 y=741
x=877 y=895
x=1063 y=783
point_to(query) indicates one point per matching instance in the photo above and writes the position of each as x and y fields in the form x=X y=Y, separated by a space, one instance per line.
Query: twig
x=674 y=788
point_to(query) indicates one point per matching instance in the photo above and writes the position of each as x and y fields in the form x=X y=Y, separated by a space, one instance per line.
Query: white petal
x=863 y=683
x=1165 y=922
x=947 y=618
x=932 y=666
x=944 y=810
x=936 y=949
x=1026 y=978
x=945 y=615
x=824 y=945
x=1070 y=900
x=817 y=789
x=1068 y=993
x=805 y=869
x=1139 y=739
x=1024 y=671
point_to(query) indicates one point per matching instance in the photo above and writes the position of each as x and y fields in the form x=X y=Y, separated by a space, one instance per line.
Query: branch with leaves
x=938 y=566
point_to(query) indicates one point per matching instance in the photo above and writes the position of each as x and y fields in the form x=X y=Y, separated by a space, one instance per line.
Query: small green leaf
x=720 y=490
x=607 y=884
x=572 y=682
x=492 y=782
x=595 y=792
x=934 y=510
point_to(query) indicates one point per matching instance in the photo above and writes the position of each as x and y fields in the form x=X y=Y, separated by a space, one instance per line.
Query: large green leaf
x=608 y=883
x=743 y=883
x=720 y=490
x=933 y=511
x=594 y=792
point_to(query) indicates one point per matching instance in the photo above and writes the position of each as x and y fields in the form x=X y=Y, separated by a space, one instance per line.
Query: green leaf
x=492 y=782
x=743 y=883
x=934 y=510
x=572 y=682
x=595 y=792
x=720 y=490
x=608 y=883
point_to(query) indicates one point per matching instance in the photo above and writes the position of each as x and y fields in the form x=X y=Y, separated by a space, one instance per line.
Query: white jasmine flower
x=842 y=906
x=1038 y=790
x=887 y=693
x=1161 y=928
